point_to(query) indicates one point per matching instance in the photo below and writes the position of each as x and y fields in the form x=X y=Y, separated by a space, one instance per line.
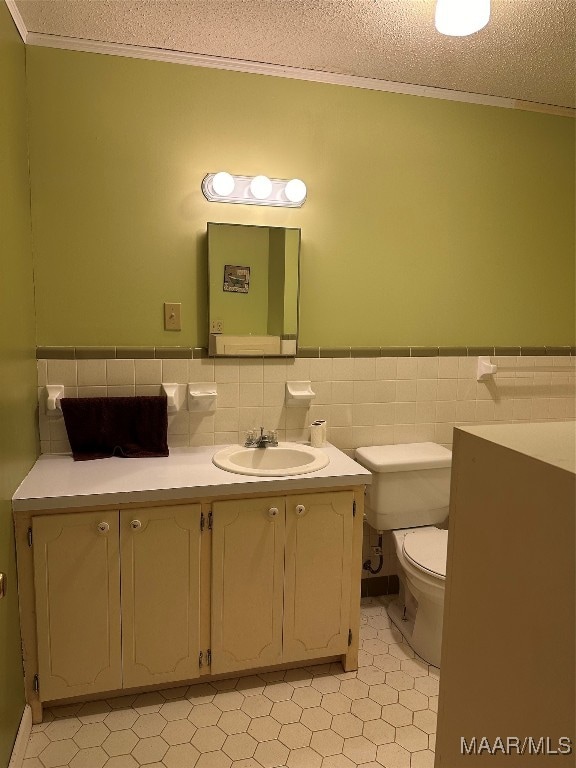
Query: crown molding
x=259 y=68
x=547 y=109
x=295 y=73
x=17 y=18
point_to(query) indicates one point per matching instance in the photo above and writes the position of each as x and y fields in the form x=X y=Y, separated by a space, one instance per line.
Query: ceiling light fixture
x=223 y=187
x=459 y=18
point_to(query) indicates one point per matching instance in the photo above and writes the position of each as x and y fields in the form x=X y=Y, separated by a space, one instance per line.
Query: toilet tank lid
x=404 y=457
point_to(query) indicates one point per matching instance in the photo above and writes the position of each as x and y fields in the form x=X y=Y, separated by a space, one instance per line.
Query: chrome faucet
x=262 y=440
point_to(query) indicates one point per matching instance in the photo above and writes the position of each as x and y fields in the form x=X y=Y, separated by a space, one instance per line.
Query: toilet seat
x=426 y=549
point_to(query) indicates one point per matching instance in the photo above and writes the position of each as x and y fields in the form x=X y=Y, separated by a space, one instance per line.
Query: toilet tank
x=410 y=484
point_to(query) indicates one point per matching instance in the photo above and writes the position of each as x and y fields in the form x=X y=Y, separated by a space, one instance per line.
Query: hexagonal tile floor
x=316 y=717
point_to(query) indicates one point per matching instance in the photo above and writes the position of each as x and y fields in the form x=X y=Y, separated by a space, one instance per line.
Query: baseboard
x=22 y=738
x=380 y=585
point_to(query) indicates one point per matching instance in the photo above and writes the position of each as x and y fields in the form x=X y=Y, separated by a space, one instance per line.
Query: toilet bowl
x=418 y=610
x=408 y=496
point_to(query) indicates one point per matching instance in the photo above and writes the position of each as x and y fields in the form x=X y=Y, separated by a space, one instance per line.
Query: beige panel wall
x=509 y=623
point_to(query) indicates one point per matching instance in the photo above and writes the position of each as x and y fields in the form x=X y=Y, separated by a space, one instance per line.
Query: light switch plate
x=172 y=317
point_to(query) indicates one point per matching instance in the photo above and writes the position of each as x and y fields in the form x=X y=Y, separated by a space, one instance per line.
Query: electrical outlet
x=216 y=326
x=172 y=317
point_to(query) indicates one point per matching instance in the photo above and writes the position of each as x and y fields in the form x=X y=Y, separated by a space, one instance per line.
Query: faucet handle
x=273 y=437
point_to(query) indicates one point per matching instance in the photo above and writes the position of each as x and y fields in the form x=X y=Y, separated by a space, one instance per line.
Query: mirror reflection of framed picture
x=236 y=279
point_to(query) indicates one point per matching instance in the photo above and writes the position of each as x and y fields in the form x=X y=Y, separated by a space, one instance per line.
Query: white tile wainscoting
x=365 y=401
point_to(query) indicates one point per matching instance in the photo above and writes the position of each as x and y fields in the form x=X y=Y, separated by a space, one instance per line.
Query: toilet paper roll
x=322 y=422
x=316 y=439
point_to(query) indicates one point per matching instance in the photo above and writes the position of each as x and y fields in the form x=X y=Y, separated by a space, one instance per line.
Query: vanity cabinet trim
x=318 y=624
x=247 y=583
x=160 y=591
x=207 y=500
x=77 y=618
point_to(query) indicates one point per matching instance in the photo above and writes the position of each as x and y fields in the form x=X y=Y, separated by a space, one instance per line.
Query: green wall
x=276 y=281
x=17 y=363
x=248 y=248
x=427 y=222
x=291 y=281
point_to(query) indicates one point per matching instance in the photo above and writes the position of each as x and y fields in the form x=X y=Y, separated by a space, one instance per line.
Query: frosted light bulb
x=223 y=184
x=261 y=187
x=295 y=190
x=459 y=18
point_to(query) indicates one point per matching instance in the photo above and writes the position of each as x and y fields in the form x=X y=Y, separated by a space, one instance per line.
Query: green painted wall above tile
x=17 y=364
x=427 y=222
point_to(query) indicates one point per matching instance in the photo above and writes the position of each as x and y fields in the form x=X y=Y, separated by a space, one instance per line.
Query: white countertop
x=56 y=481
x=553 y=442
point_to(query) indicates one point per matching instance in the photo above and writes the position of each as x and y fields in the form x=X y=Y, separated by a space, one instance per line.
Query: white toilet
x=409 y=494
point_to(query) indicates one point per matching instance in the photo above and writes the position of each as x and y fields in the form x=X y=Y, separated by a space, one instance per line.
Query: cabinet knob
x=273 y=512
x=135 y=524
x=103 y=527
x=300 y=509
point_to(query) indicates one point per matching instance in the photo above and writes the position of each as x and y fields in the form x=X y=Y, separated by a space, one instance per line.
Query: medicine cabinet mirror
x=253 y=277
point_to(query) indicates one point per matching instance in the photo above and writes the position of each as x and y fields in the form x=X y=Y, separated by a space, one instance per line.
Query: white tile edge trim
x=21 y=743
x=276 y=70
x=17 y=18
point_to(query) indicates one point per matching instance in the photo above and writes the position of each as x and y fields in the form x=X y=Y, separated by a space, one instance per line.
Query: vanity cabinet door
x=77 y=585
x=160 y=548
x=318 y=574
x=247 y=583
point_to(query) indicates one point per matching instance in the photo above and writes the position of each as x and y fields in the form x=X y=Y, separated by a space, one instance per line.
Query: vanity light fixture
x=261 y=187
x=223 y=183
x=295 y=190
x=223 y=187
x=459 y=18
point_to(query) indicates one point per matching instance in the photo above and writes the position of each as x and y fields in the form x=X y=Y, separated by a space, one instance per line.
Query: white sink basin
x=285 y=459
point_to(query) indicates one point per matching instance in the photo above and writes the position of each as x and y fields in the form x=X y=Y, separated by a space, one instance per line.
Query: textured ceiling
x=527 y=51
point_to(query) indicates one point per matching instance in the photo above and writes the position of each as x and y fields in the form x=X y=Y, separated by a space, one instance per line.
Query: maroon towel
x=130 y=427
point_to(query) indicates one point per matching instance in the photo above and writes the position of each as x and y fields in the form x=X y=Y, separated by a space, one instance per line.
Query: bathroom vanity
x=143 y=573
